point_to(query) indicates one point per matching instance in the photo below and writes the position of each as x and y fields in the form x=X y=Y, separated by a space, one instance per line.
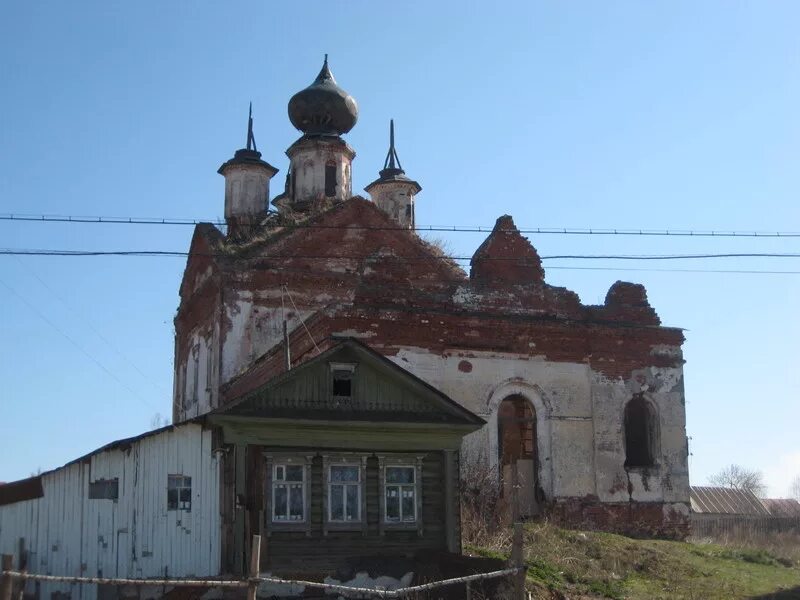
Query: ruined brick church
x=586 y=400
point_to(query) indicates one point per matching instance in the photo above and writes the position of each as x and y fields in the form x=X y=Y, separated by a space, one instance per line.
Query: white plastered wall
x=579 y=419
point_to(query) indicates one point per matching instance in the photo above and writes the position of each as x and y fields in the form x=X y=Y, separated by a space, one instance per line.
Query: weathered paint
x=477 y=338
x=135 y=536
x=396 y=199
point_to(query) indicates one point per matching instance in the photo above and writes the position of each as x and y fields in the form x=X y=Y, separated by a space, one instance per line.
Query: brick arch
x=541 y=408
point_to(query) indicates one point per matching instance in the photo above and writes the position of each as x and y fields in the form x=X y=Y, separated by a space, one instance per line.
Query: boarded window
x=516 y=426
x=640 y=433
x=104 y=489
x=400 y=490
x=330 y=180
x=179 y=492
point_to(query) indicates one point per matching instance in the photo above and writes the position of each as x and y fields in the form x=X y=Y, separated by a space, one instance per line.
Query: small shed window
x=330 y=180
x=640 y=433
x=344 y=493
x=288 y=493
x=400 y=489
x=104 y=489
x=179 y=492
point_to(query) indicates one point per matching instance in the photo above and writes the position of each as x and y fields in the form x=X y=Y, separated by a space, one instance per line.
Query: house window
x=288 y=493
x=344 y=493
x=104 y=489
x=400 y=491
x=179 y=492
x=209 y=365
x=640 y=433
x=330 y=180
x=342 y=380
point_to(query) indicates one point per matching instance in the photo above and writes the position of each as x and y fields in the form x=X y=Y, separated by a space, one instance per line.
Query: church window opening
x=179 y=492
x=516 y=428
x=330 y=180
x=640 y=433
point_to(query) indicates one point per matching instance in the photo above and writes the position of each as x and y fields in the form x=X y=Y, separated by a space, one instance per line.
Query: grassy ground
x=573 y=564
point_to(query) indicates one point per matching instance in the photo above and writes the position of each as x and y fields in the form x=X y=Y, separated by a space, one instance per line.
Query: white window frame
x=282 y=465
x=180 y=485
x=358 y=484
x=401 y=487
x=414 y=462
x=274 y=459
x=348 y=460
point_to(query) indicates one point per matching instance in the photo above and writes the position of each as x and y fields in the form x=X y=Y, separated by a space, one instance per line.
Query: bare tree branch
x=740 y=478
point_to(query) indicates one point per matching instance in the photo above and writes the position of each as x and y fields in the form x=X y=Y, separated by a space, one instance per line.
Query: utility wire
x=44 y=318
x=302 y=321
x=181 y=254
x=424 y=228
x=88 y=323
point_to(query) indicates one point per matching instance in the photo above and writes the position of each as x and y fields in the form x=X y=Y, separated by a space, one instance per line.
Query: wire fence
x=516 y=574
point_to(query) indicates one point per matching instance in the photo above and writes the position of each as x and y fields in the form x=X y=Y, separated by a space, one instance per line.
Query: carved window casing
x=344 y=501
x=400 y=492
x=288 y=491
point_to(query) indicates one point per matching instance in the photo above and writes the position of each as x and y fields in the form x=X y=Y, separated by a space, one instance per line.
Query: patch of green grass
x=603 y=565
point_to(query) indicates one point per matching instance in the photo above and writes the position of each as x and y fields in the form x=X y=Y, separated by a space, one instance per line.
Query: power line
x=44 y=318
x=88 y=323
x=427 y=258
x=425 y=228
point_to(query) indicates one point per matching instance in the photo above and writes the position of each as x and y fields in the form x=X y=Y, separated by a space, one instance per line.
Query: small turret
x=393 y=192
x=320 y=161
x=246 y=186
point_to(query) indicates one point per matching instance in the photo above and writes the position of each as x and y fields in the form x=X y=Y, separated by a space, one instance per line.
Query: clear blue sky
x=680 y=115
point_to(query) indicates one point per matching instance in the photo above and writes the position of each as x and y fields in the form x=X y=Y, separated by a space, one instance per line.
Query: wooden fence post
x=6 y=583
x=518 y=561
x=255 y=562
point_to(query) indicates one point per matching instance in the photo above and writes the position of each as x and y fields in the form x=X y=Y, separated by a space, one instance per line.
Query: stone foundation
x=635 y=519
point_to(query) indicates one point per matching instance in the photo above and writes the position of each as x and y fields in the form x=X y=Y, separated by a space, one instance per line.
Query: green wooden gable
x=350 y=382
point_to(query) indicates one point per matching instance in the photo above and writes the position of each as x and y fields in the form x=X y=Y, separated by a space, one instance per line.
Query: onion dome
x=323 y=108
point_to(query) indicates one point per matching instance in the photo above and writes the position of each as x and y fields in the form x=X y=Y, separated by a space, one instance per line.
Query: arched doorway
x=517 y=444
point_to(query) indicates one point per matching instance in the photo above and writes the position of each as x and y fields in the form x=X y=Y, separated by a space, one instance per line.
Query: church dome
x=323 y=108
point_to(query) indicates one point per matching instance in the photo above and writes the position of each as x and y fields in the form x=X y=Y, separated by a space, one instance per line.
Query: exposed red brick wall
x=638 y=519
x=506 y=258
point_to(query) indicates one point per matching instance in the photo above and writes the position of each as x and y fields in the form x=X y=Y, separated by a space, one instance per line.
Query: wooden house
x=339 y=461
x=343 y=457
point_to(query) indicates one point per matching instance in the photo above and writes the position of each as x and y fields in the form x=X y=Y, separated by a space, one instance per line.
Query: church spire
x=251 y=139
x=246 y=186
x=392 y=191
x=392 y=161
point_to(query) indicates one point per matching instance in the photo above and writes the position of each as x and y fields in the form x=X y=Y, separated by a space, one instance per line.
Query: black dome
x=323 y=107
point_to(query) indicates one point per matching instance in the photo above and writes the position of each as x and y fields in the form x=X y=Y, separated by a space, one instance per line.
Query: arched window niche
x=641 y=433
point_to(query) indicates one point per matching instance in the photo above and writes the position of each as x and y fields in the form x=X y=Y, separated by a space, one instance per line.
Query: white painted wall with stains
x=580 y=420
x=66 y=533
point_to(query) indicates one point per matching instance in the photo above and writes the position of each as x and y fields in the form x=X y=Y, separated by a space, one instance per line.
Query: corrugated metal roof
x=726 y=501
x=782 y=507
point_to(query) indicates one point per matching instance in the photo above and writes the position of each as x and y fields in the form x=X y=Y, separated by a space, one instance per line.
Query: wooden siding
x=290 y=552
x=134 y=536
